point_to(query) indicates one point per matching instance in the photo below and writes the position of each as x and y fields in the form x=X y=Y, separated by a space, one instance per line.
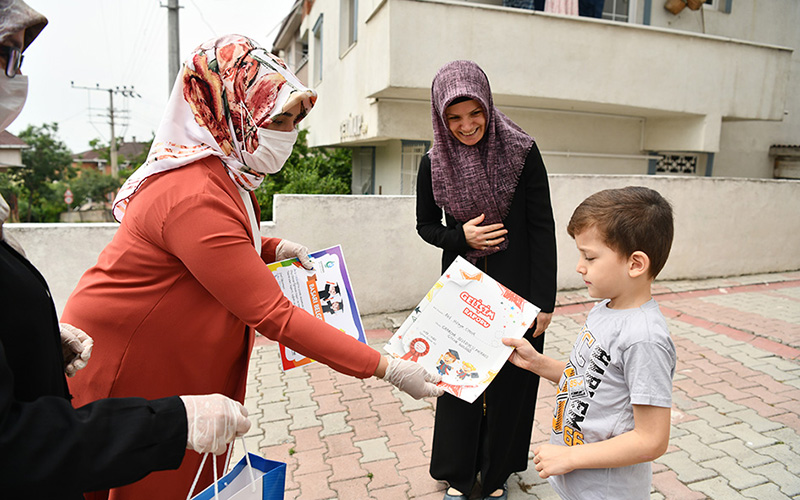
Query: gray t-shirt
x=621 y=358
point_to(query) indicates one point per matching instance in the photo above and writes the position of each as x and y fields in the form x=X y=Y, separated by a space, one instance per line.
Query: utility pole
x=125 y=92
x=174 y=42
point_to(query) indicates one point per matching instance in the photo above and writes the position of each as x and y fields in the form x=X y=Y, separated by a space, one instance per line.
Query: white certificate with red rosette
x=456 y=330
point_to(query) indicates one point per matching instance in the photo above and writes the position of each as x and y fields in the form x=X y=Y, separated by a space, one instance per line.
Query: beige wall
x=723 y=227
x=10 y=158
x=744 y=145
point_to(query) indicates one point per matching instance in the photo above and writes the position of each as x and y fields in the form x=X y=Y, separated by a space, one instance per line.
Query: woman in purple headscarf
x=488 y=177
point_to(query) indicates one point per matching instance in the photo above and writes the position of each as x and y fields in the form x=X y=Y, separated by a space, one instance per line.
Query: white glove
x=412 y=379
x=76 y=346
x=213 y=421
x=287 y=249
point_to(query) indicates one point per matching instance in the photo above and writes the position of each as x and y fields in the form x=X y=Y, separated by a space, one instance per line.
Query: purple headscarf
x=480 y=179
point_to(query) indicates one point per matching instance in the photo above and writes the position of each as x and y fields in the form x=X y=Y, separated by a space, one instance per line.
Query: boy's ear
x=638 y=264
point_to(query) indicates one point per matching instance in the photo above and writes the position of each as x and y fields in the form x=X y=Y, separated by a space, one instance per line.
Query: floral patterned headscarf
x=228 y=89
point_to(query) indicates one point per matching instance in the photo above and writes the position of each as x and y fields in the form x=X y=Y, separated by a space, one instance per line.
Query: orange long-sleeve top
x=170 y=297
x=173 y=300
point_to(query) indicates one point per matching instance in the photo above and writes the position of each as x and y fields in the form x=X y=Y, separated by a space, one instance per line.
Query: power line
x=173 y=41
x=124 y=92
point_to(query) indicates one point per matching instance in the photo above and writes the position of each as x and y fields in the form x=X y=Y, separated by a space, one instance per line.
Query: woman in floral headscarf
x=488 y=177
x=174 y=299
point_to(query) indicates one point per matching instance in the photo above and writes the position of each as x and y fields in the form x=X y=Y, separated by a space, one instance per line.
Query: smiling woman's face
x=466 y=121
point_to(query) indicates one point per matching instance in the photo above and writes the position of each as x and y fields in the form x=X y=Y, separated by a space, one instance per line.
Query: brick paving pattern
x=735 y=417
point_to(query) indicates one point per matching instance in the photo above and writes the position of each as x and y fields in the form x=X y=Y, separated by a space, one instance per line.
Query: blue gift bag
x=253 y=478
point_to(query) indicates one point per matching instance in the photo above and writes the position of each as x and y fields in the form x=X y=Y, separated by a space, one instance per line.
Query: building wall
x=603 y=143
x=680 y=103
x=344 y=82
x=744 y=145
x=387 y=167
x=614 y=140
x=723 y=227
x=10 y=157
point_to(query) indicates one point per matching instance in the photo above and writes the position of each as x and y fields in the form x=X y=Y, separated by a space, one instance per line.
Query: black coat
x=492 y=435
x=48 y=449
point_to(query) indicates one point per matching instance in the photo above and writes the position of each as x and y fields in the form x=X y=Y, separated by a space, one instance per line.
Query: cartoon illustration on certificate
x=456 y=330
x=323 y=291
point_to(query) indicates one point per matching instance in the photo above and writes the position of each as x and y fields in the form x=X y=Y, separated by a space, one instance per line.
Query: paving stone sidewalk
x=735 y=417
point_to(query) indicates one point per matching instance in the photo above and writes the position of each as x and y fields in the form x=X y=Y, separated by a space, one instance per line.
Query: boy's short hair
x=628 y=219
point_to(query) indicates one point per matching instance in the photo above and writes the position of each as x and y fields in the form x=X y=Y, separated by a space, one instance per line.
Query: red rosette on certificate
x=416 y=349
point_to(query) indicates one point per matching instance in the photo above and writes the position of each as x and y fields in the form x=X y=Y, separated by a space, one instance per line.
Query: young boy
x=612 y=413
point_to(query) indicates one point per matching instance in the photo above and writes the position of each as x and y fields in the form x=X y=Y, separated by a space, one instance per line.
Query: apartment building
x=706 y=91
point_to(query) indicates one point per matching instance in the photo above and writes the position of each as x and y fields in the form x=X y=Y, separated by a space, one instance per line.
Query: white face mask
x=13 y=92
x=274 y=148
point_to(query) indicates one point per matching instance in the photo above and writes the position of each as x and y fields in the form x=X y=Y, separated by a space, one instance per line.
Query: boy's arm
x=528 y=358
x=646 y=442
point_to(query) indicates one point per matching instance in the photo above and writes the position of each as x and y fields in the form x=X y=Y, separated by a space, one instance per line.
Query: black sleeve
x=48 y=449
x=429 y=215
x=541 y=231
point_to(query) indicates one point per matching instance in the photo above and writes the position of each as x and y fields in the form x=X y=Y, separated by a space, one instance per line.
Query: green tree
x=307 y=171
x=134 y=162
x=47 y=161
x=10 y=191
x=139 y=159
x=91 y=185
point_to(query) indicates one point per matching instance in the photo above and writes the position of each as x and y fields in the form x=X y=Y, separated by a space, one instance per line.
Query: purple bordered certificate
x=324 y=292
x=456 y=330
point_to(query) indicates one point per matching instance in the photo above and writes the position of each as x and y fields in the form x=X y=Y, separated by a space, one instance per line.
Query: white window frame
x=318 y=46
x=363 y=166
x=348 y=25
x=629 y=17
x=411 y=153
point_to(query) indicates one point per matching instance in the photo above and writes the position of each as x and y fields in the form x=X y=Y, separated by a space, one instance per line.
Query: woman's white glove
x=76 y=346
x=213 y=421
x=287 y=249
x=412 y=379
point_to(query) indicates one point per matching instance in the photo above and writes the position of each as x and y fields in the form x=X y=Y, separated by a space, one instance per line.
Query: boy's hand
x=552 y=460
x=524 y=355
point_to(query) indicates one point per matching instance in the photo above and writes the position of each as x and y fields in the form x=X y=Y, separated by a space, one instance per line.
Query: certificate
x=324 y=292
x=456 y=330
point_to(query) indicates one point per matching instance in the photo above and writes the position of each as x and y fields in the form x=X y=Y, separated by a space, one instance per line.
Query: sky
x=122 y=43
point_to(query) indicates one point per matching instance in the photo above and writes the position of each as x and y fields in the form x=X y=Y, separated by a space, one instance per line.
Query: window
x=519 y=4
x=617 y=10
x=300 y=52
x=677 y=164
x=363 y=181
x=318 y=50
x=348 y=25
x=720 y=5
x=412 y=153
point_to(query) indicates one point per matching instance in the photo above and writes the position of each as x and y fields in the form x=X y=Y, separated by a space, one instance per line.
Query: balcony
x=683 y=85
